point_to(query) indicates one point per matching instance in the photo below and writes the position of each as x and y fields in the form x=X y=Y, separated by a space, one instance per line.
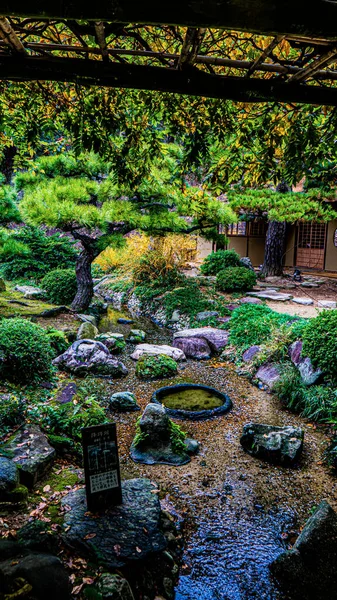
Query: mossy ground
x=10 y=308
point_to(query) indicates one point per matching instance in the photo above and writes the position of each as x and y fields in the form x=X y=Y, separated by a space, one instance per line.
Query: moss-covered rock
x=156 y=367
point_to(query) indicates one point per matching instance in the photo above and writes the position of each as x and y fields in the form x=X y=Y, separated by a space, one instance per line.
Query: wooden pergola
x=244 y=50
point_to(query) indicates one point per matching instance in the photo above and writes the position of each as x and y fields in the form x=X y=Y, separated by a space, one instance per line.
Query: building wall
x=239 y=244
x=204 y=248
x=331 y=250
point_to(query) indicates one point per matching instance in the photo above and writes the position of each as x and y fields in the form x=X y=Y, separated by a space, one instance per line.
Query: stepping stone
x=121 y=535
x=309 y=284
x=279 y=445
x=32 y=453
x=327 y=304
x=269 y=374
x=249 y=300
x=304 y=301
x=270 y=295
x=217 y=339
x=154 y=350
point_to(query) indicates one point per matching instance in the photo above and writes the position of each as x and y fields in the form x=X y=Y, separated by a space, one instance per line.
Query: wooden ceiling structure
x=243 y=50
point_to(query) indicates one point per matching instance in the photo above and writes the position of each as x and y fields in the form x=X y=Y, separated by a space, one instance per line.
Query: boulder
x=309 y=570
x=246 y=262
x=66 y=393
x=196 y=348
x=154 y=350
x=45 y=574
x=249 y=354
x=89 y=356
x=120 y=535
x=9 y=476
x=29 y=291
x=32 y=453
x=304 y=301
x=269 y=374
x=249 y=300
x=136 y=336
x=154 y=444
x=206 y=314
x=279 y=445
x=87 y=319
x=217 y=339
x=175 y=316
x=112 y=586
x=113 y=341
x=87 y=331
x=123 y=402
x=327 y=303
x=309 y=375
x=2 y=285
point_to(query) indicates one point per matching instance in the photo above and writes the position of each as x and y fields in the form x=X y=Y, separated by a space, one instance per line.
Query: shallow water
x=191 y=399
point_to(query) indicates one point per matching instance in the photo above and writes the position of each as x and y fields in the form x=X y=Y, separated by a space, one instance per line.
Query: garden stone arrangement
x=89 y=356
x=159 y=440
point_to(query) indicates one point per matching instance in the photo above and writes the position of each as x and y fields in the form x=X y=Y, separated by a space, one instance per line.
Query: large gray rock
x=309 y=570
x=154 y=350
x=249 y=354
x=217 y=339
x=32 y=453
x=246 y=262
x=123 y=402
x=304 y=301
x=206 y=314
x=249 y=300
x=309 y=374
x=269 y=374
x=29 y=291
x=9 y=476
x=89 y=356
x=154 y=444
x=279 y=445
x=87 y=331
x=112 y=586
x=87 y=319
x=121 y=535
x=327 y=303
x=43 y=572
x=196 y=348
x=270 y=295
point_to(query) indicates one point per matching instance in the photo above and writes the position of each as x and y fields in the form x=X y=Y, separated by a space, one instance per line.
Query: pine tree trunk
x=274 y=249
x=7 y=163
x=85 y=286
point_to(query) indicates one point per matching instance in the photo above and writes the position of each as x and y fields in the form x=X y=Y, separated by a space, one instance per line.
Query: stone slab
x=304 y=301
x=155 y=350
x=270 y=295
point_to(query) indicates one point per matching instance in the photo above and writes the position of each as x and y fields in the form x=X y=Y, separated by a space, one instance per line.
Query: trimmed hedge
x=235 y=279
x=217 y=261
x=320 y=342
x=60 y=286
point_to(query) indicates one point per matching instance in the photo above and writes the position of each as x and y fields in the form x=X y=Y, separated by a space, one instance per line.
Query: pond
x=192 y=401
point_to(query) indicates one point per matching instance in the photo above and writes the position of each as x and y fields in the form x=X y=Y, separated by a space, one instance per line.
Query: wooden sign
x=101 y=467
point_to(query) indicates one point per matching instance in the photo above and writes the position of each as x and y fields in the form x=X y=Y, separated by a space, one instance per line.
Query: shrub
x=235 y=279
x=57 y=340
x=60 y=285
x=188 y=299
x=40 y=253
x=290 y=390
x=156 y=367
x=254 y=324
x=217 y=261
x=11 y=412
x=320 y=342
x=25 y=351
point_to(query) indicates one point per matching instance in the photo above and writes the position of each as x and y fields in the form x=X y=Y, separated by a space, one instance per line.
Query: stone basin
x=192 y=401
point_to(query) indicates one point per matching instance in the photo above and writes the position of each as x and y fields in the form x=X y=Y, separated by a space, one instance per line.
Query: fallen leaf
x=89 y=536
x=46 y=488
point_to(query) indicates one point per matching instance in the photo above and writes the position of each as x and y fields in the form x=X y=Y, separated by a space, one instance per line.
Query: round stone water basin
x=192 y=401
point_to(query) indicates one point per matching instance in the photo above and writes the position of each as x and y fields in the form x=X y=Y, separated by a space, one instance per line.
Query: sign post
x=101 y=467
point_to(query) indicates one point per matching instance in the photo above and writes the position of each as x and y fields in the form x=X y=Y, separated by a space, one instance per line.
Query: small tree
x=281 y=207
x=98 y=210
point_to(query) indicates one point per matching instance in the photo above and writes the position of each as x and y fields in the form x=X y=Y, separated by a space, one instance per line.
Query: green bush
x=217 y=261
x=254 y=324
x=235 y=279
x=60 y=285
x=25 y=351
x=291 y=390
x=320 y=342
x=40 y=253
x=156 y=367
x=57 y=340
x=11 y=412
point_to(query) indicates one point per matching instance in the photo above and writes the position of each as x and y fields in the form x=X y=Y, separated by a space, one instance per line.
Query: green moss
x=177 y=438
x=31 y=308
x=59 y=481
x=61 y=444
x=156 y=367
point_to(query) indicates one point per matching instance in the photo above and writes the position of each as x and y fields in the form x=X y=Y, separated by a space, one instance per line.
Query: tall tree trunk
x=85 y=286
x=7 y=163
x=275 y=242
x=274 y=249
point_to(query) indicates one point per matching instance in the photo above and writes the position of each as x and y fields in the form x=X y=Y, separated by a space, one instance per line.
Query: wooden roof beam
x=279 y=17
x=259 y=60
x=314 y=66
x=191 y=81
x=100 y=36
x=9 y=36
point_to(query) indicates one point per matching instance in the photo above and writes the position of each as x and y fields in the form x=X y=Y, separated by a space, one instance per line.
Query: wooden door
x=311 y=245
